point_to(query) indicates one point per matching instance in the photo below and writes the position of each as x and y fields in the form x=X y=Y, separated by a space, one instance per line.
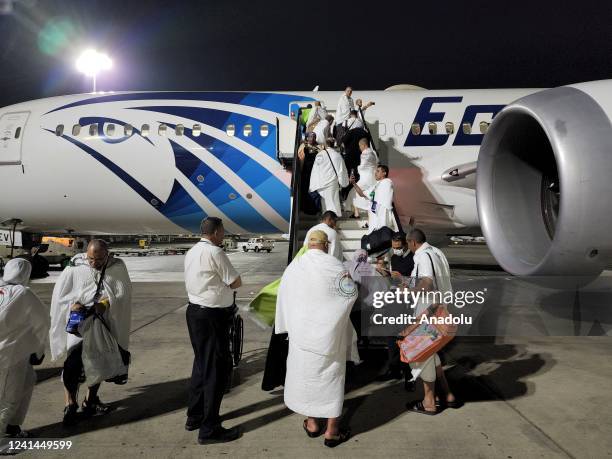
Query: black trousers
x=73 y=369
x=393 y=354
x=209 y=334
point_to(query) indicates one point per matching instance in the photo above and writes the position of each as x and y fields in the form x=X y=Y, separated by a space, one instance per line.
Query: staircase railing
x=296 y=186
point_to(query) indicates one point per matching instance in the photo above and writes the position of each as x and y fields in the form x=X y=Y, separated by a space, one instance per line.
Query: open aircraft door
x=12 y=126
x=287 y=134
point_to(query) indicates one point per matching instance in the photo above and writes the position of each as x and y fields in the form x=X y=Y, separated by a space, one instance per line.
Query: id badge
x=373 y=208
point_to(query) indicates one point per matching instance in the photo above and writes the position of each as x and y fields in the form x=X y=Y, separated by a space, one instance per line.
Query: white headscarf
x=17 y=272
x=24 y=319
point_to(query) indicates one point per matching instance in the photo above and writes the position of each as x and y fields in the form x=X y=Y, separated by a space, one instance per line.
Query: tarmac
x=525 y=396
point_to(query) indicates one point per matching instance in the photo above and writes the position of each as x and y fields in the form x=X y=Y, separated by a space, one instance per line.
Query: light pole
x=91 y=62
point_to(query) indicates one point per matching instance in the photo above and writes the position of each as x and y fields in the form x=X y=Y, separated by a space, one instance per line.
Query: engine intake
x=544 y=185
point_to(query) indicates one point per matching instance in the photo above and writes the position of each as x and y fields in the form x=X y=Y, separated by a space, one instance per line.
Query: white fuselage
x=218 y=156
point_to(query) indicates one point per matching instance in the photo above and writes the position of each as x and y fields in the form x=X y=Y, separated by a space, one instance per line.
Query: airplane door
x=12 y=126
x=287 y=134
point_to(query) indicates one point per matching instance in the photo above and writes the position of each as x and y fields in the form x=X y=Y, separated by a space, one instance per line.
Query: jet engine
x=544 y=184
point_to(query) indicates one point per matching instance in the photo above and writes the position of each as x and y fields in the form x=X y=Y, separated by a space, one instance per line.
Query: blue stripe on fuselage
x=218 y=191
x=277 y=103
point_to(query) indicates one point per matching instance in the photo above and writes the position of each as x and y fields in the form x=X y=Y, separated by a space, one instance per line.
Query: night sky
x=295 y=45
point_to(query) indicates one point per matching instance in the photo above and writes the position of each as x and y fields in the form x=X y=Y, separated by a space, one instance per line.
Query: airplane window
x=162 y=130
x=247 y=130
x=59 y=130
x=450 y=128
x=415 y=128
x=18 y=132
x=382 y=129
x=483 y=127
x=264 y=130
x=128 y=130
x=399 y=128
x=110 y=129
x=145 y=130
x=93 y=130
x=467 y=128
x=76 y=130
x=197 y=130
x=230 y=130
x=432 y=128
x=179 y=130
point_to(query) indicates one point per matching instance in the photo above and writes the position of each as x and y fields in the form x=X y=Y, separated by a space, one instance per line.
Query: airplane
x=461 y=160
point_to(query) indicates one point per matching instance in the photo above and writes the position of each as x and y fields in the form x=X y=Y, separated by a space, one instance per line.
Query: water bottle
x=75 y=319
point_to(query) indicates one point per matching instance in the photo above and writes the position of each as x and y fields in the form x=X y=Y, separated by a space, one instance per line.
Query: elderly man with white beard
x=315 y=298
x=95 y=282
x=24 y=325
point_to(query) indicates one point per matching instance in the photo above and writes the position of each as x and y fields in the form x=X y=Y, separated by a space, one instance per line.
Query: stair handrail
x=296 y=182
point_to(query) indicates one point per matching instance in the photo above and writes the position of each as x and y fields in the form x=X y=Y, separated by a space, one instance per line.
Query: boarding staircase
x=349 y=231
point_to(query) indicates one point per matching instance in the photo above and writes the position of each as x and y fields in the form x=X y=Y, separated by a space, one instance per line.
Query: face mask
x=398 y=252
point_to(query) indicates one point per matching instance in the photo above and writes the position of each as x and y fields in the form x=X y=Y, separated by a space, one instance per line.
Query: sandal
x=342 y=436
x=310 y=433
x=455 y=404
x=94 y=407
x=417 y=407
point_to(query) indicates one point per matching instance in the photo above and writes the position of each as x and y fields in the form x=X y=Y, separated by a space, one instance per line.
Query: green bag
x=263 y=305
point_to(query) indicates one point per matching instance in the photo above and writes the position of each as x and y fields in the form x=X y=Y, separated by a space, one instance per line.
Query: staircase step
x=356 y=234
x=351 y=223
x=350 y=244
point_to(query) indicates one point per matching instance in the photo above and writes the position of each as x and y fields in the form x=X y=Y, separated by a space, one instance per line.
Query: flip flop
x=417 y=407
x=454 y=404
x=312 y=434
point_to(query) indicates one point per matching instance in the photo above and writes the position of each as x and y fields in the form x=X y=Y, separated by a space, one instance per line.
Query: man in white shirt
x=431 y=272
x=327 y=177
x=380 y=196
x=343 y=111
x=317 y=114
x=328 y=225
x=323 y=129
x=353 y=121
x=210 y=279
x=367 y=177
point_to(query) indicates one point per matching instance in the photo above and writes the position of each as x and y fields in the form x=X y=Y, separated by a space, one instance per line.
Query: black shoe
x=389 y=375
x=71 y=417
x=193 y=423
x=13 y=431
x=94 y=407
x=221 y=435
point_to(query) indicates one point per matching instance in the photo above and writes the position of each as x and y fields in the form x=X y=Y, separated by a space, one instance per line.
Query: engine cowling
x=544 y=183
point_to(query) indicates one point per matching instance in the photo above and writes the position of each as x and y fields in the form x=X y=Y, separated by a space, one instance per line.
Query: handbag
x=126 y=356
x=425 y=339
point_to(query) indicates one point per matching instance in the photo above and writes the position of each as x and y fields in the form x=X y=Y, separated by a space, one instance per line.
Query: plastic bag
x=102 y=359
